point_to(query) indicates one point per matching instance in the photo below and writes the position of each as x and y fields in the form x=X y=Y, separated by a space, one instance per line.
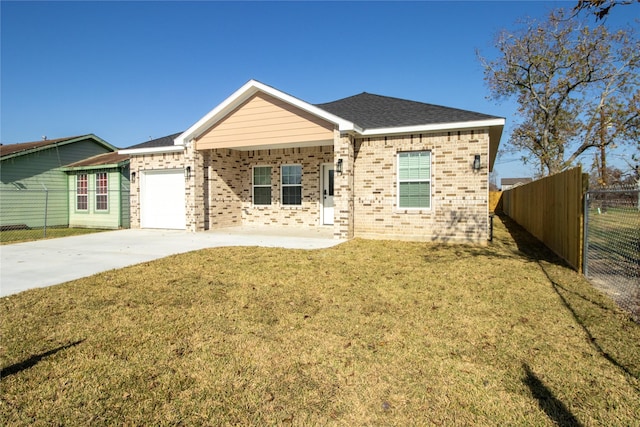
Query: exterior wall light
x=339 y=166
x=187 y=172
x=133 y=176
x=476 y=162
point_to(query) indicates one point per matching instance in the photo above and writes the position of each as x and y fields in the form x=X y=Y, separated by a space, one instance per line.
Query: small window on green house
x=82 y=192
x=102 y=195
x=262 y=185
x=414 y=180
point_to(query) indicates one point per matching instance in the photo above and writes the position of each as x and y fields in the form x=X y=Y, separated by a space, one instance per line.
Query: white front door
x=327 y=194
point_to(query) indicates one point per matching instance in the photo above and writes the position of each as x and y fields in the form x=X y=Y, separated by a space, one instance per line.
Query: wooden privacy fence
x=551 y=209
x=495 y=201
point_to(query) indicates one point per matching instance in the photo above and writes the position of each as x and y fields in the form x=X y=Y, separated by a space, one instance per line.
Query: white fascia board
x=434 y=127
x=244 y=93
x=153 y=150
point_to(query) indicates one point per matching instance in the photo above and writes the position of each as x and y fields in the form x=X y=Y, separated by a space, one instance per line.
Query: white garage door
x=162 y=199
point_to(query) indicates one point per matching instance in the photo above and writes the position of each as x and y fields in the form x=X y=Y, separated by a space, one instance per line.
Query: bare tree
x=577 y=88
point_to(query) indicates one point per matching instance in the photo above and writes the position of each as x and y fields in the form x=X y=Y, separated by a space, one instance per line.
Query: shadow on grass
x=33 y=360
x=528 y=245
x=536 y=251
x=516 y=244
x=554 y=408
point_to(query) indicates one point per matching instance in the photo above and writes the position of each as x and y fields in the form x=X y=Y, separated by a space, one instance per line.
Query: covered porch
x=264 y=159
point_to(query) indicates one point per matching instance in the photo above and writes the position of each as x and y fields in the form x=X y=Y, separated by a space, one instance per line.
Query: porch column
x=343 y=186
x=194 y=188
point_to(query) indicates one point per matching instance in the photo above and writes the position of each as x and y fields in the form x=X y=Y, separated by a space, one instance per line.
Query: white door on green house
x=327 y=194
x=162 y=200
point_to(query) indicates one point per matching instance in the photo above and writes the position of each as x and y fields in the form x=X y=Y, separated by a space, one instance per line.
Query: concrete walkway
x=49 y=262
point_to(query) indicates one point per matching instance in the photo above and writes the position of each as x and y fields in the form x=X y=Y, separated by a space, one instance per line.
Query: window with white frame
x=291 y=184
x=262 y=185
x=82 y=192
x=102 y=195
x=414 y=180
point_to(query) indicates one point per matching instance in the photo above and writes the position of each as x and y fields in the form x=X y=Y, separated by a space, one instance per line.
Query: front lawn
x=366 y=333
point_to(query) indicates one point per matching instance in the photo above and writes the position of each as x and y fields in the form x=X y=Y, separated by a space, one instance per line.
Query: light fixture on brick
x=476 y=162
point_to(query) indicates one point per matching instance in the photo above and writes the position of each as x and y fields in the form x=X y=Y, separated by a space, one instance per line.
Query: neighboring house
x=99 y=191
x=365 y=166
x=34 y=187
x=507 y=183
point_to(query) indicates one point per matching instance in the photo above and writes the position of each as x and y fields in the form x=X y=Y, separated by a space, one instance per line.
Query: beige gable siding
x=265 y=121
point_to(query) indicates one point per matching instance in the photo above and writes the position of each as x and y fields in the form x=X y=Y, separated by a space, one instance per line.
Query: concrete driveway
x=49 y=262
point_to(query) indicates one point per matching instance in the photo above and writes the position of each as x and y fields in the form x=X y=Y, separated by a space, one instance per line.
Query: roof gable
x=263 y=120
x=24 y=148
x=242 y=95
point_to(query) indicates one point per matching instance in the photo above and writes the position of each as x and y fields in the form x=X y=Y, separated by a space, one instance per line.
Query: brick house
x=364 y=166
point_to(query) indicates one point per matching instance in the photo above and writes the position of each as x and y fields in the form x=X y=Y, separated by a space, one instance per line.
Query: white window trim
x=106 y=193
x=253 y=186
x=290 y=185
x=430 y=180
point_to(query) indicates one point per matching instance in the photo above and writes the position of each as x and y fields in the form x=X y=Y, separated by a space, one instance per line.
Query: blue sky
x=130 y=71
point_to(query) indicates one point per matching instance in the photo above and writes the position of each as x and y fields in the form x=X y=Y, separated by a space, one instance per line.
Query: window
x=262 y=185
x=82 y=192
x=102 y=202
x=291 y=179
x=414 y=179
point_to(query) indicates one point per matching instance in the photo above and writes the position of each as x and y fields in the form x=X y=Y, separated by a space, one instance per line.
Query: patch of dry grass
x=16 y=236
x=369 y=332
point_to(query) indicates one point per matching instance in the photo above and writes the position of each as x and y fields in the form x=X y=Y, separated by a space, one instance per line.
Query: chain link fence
x=612 y=244
x=37 y=214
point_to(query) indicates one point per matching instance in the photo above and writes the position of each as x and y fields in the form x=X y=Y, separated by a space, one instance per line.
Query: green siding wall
x=23 y=180
x=118 y=192
x=125 y=211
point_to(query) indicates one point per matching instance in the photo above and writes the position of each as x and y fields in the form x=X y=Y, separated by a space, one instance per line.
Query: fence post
x=585 y=236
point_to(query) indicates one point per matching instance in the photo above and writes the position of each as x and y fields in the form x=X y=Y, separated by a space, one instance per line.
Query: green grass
x=16 y=236
x=366 y=333
x=617 y=229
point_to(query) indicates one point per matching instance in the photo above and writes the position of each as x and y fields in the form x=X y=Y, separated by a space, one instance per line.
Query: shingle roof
x=100 y=160
x=6 y=150
x=513 y=181
x=371 y=111
x=164 y=141
x=24 y=148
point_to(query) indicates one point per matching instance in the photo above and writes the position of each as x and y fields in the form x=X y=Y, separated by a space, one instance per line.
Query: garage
x=162 y=199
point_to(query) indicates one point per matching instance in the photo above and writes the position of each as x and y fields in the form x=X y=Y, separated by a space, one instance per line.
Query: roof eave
x=153 y=150
x=495 y=125
x=93 y=167
x=245 y=92
x=433 y=127
x=495 y=135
